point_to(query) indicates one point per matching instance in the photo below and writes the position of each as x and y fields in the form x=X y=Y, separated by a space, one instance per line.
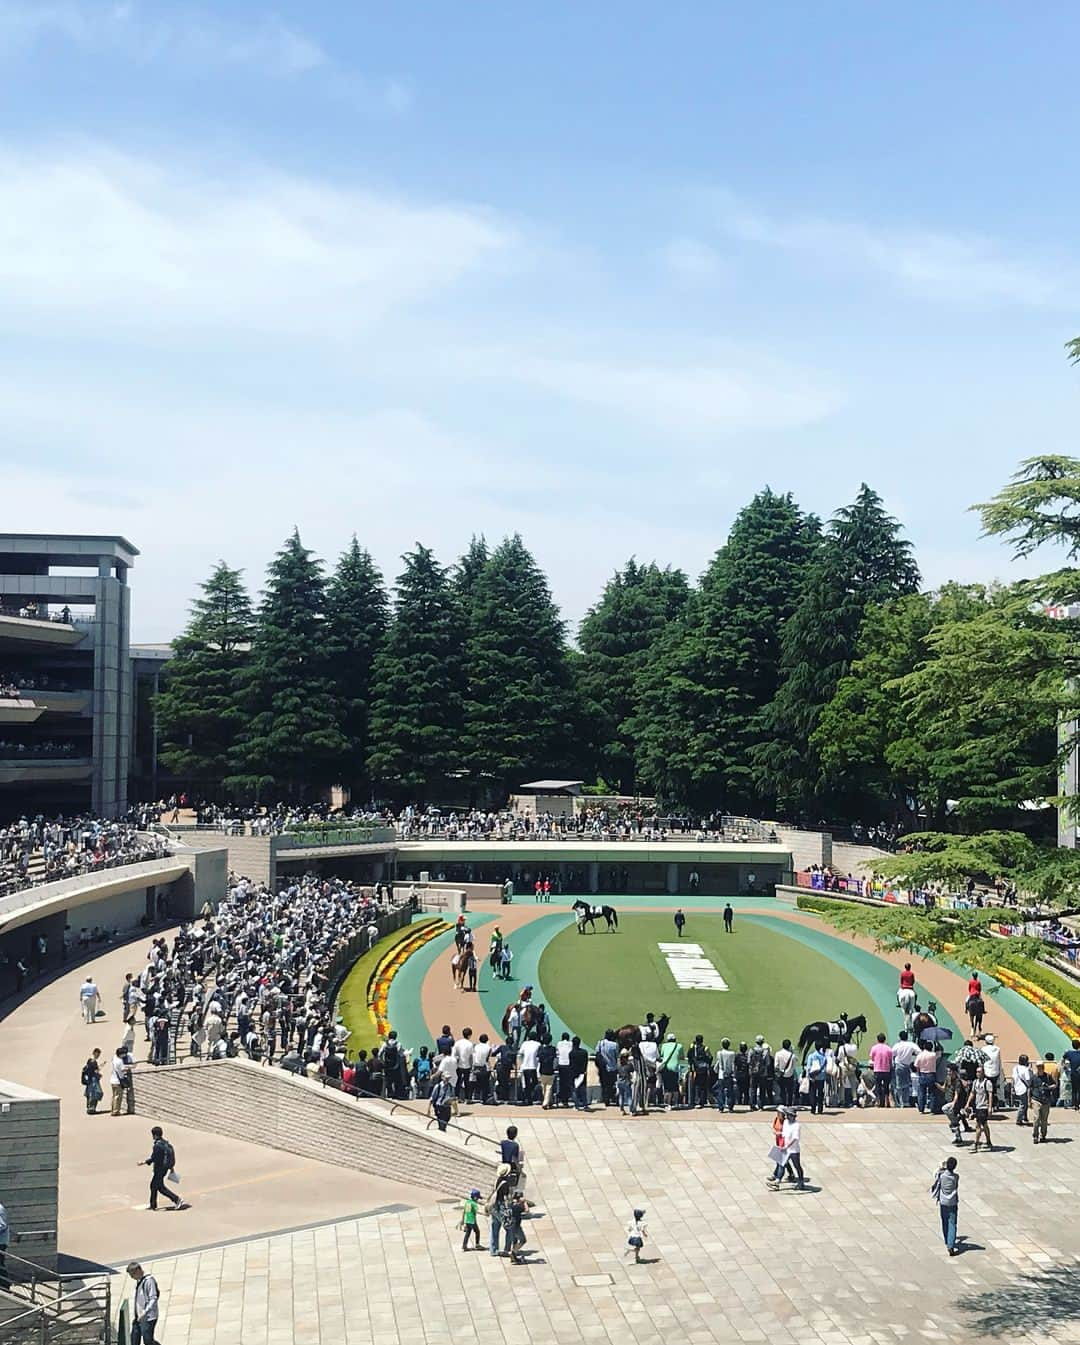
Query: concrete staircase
x=249 y=856
x=851 y=858
x=265 y=1105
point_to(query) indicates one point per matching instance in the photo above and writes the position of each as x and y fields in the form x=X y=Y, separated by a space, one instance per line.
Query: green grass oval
x=776 y=984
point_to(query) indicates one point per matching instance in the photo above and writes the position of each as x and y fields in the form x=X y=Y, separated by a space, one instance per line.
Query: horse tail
x=615 y=917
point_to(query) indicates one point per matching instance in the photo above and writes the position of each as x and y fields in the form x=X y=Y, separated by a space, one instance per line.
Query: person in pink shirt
x=881 y=1064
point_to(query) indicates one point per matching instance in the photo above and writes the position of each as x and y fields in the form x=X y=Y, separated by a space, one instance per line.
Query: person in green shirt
x=470 y=1222
x=671 y=1058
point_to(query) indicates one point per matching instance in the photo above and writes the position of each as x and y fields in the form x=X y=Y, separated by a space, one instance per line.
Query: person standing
x=957 y=1095
x=624 y=1083
x=725 y=1077
x=1044 y=1093
x=579 y=1074
x=904 y=1055
x=992 y=1065
x=881 y=1060
x=546 y=1065
x=146 y=1306
x=982 y=1100
x=946 y=1191
x=680 y=922
x=91 y=1081
x=607 y=1059
x=729 y=918
x=784 y=1065
x=1071 y=1061
x=566 y=1073
x=699 y=1058
x=528 y=1068
x=815 y=1072
x=119 y=1077
x=1021 y=1087
x=926 y=1063
x=89 y=999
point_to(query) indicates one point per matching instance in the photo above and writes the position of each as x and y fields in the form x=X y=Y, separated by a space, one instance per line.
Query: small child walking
x=636 y=1233
x=470 y=1222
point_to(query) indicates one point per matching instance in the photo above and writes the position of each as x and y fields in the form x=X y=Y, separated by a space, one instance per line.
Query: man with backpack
x=699 y=1058
x=390 y=1057
x=162 y=1161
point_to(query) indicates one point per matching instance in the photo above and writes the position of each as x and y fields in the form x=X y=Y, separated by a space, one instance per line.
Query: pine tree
x=468 y=570
x=199 y=709
x=292 y=741
x=418 y=687
x=617 y=638
x=862 y=561
x=357 y=616
x=520 y=707
x=703 y=700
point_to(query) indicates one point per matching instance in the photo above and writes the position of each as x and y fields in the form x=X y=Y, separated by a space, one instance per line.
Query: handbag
x=804 y=1086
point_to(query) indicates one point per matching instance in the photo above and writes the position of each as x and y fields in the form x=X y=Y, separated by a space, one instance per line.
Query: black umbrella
x=936 y=1034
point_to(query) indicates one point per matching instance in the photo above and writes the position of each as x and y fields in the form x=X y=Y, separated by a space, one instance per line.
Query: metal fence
x=43 y=1305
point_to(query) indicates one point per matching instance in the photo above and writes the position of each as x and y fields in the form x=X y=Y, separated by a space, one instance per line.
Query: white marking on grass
x=690 y=967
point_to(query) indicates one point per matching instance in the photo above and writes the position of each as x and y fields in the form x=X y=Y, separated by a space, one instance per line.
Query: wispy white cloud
x=193 y=39
x=160 y=249
x=934 y=264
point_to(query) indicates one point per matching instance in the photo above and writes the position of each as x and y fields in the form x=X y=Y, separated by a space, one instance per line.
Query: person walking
x=729 y=918
x=946 y=1191
x=636 y=1233
x=498 y=1207
x=89 y=999
x=146 y=1306
x=957 y=1096
x=162 y=1162
x=91 y=1081
x=470 y=1222
x=1021 y=1087
x=982 y=1100
x=680 y=922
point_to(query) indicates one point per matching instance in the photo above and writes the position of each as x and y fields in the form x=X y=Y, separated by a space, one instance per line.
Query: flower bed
x=389 y=965
x=1055 y=1009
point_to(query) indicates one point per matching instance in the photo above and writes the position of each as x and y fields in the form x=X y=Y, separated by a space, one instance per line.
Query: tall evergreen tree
x=357 y=616
x=469 y=569
x=199 y=709
x=419 y=683
x=862 y=561
x=519 y=709
x=617 y=638
x=292 y=740
x=703 y=701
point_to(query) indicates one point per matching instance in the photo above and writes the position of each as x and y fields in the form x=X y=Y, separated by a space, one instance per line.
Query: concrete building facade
x=65 y=673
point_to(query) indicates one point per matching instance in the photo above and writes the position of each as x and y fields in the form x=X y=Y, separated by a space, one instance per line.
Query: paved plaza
x=854 y=1260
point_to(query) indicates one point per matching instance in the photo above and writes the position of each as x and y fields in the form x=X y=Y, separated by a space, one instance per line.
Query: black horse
x=590 y=914
x=840 y=1032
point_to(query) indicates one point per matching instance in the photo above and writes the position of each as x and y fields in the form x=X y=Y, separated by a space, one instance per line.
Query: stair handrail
x=397 y=1104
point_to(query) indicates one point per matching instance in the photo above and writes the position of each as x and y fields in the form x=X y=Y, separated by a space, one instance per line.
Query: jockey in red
x=907 y=978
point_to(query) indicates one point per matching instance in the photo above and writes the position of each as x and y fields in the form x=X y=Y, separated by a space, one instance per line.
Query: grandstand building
x=65 y=674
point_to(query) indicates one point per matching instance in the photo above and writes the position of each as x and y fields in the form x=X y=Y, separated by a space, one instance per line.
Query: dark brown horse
x=629 y=1037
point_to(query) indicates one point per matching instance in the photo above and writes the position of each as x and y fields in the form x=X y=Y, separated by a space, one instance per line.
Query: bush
x=1045 y=979
x=806 y=901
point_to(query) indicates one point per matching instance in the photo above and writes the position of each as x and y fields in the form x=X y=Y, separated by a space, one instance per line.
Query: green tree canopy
x=618 y=637
x=862 y=561
x=703 y=697
x=357 y=616
x=292 y=740
x=519 y=711
x=418 y=691
x=199 y=708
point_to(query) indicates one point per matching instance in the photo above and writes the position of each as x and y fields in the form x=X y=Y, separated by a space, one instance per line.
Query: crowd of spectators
x=41 y=850
x=13 y=683
x=33 y=611
x=48 y=747
x=253 y=977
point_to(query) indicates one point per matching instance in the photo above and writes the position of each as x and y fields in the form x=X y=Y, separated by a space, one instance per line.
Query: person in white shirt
x=992 y=1063
x=88 y=1000
x=1021 y=1086
x=650 y=1063
x=904 y=1053
x=463 y=1052
x=146 y=1306
x=481 y=1078
x=528 y=1068
x=119 y=1077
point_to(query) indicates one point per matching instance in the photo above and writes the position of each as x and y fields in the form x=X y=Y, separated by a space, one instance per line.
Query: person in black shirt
x=699 y=1058
x=545 y=1062
x=160 y=1162
x=579 y=1069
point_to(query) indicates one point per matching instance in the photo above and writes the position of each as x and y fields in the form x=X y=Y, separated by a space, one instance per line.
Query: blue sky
x=591 y=273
